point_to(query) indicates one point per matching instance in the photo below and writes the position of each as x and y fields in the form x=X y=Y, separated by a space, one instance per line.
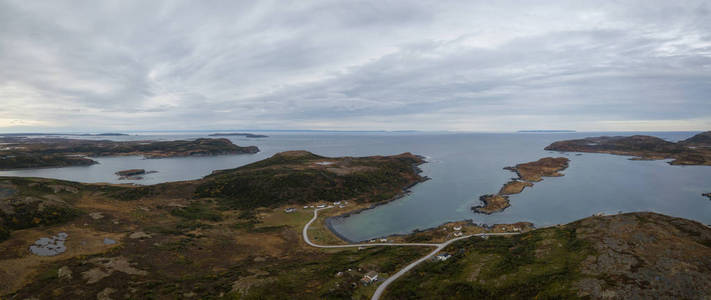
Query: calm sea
x=462 y=166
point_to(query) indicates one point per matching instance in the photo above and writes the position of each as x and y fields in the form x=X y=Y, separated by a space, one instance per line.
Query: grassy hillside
x=638 y=255
x=300 y=177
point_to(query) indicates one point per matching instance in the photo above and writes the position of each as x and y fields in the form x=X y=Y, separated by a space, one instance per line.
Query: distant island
x=692 y=151
x=249 y=135
x=546 y=131
x=21 y=152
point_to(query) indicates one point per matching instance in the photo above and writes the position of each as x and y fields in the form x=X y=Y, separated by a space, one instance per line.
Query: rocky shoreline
x=527 y=174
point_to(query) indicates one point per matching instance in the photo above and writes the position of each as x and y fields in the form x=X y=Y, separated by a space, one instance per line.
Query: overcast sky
x=346 y=65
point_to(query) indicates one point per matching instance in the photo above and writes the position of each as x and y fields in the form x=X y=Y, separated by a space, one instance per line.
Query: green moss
x=28 y=215
x=539 y=264
x=197 y=211
x=4 y=233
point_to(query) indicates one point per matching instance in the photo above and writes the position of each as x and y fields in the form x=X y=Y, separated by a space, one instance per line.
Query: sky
x=96 y=66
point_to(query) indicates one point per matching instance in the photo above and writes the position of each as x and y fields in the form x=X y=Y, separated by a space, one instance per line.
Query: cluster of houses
x=457 y=231
x=337 y=203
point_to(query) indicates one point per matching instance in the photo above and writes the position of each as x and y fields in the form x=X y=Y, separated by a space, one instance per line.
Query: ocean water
x=462 y=167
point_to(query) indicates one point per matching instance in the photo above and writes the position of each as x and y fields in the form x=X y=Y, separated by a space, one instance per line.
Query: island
x=708 y=195
x=21 y=152
x=133 y=174
x=528 y=173
x=249 y=135
x=693 y=151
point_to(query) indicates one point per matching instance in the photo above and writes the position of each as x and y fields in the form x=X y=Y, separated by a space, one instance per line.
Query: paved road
x=384 y=285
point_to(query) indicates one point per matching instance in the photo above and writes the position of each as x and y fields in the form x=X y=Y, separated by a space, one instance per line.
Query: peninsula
x=21 y=152
x=693 y=151
x=528 y=173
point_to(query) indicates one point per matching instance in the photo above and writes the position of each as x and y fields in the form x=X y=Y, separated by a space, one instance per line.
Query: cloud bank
x=392 y=65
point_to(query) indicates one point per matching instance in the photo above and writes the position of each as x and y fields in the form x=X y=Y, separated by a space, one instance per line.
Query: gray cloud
x=629 y=65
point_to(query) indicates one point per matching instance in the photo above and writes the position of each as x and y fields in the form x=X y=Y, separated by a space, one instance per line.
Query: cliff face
x=642 y=147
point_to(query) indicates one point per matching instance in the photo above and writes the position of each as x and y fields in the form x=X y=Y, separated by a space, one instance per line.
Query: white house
x=458 y=228
x=370 y=277
x=443 y=256
x=289 y=210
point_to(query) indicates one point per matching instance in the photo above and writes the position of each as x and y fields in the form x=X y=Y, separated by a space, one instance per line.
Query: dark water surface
x=462 y=166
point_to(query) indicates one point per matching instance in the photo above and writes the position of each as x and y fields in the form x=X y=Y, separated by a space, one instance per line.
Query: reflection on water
x=462 y=167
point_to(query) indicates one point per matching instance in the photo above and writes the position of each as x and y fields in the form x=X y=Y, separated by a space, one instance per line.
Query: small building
x=289 y=210
x=383 y=240
x=321 y=206
x=306 y=206
x=458 y=234
x=443 y=256
x=457 y=228
x=370 y=277
x=337 y=203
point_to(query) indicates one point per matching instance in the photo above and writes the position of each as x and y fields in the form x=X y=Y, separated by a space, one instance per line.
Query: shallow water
x=462 y=166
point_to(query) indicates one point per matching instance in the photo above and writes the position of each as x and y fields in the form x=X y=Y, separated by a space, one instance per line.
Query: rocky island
x=693 y=151
x=527 y=174
x=20 y=152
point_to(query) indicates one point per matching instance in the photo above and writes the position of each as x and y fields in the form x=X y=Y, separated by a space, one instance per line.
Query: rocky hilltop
x=627 y=256
x=20 y=152
x=700 y=140
x=641 y=147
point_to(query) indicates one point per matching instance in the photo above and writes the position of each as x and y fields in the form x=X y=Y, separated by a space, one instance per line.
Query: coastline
x=404 y=192
x=328 y=221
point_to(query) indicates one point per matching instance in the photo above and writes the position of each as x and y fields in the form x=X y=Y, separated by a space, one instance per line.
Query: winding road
x=384 y=285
